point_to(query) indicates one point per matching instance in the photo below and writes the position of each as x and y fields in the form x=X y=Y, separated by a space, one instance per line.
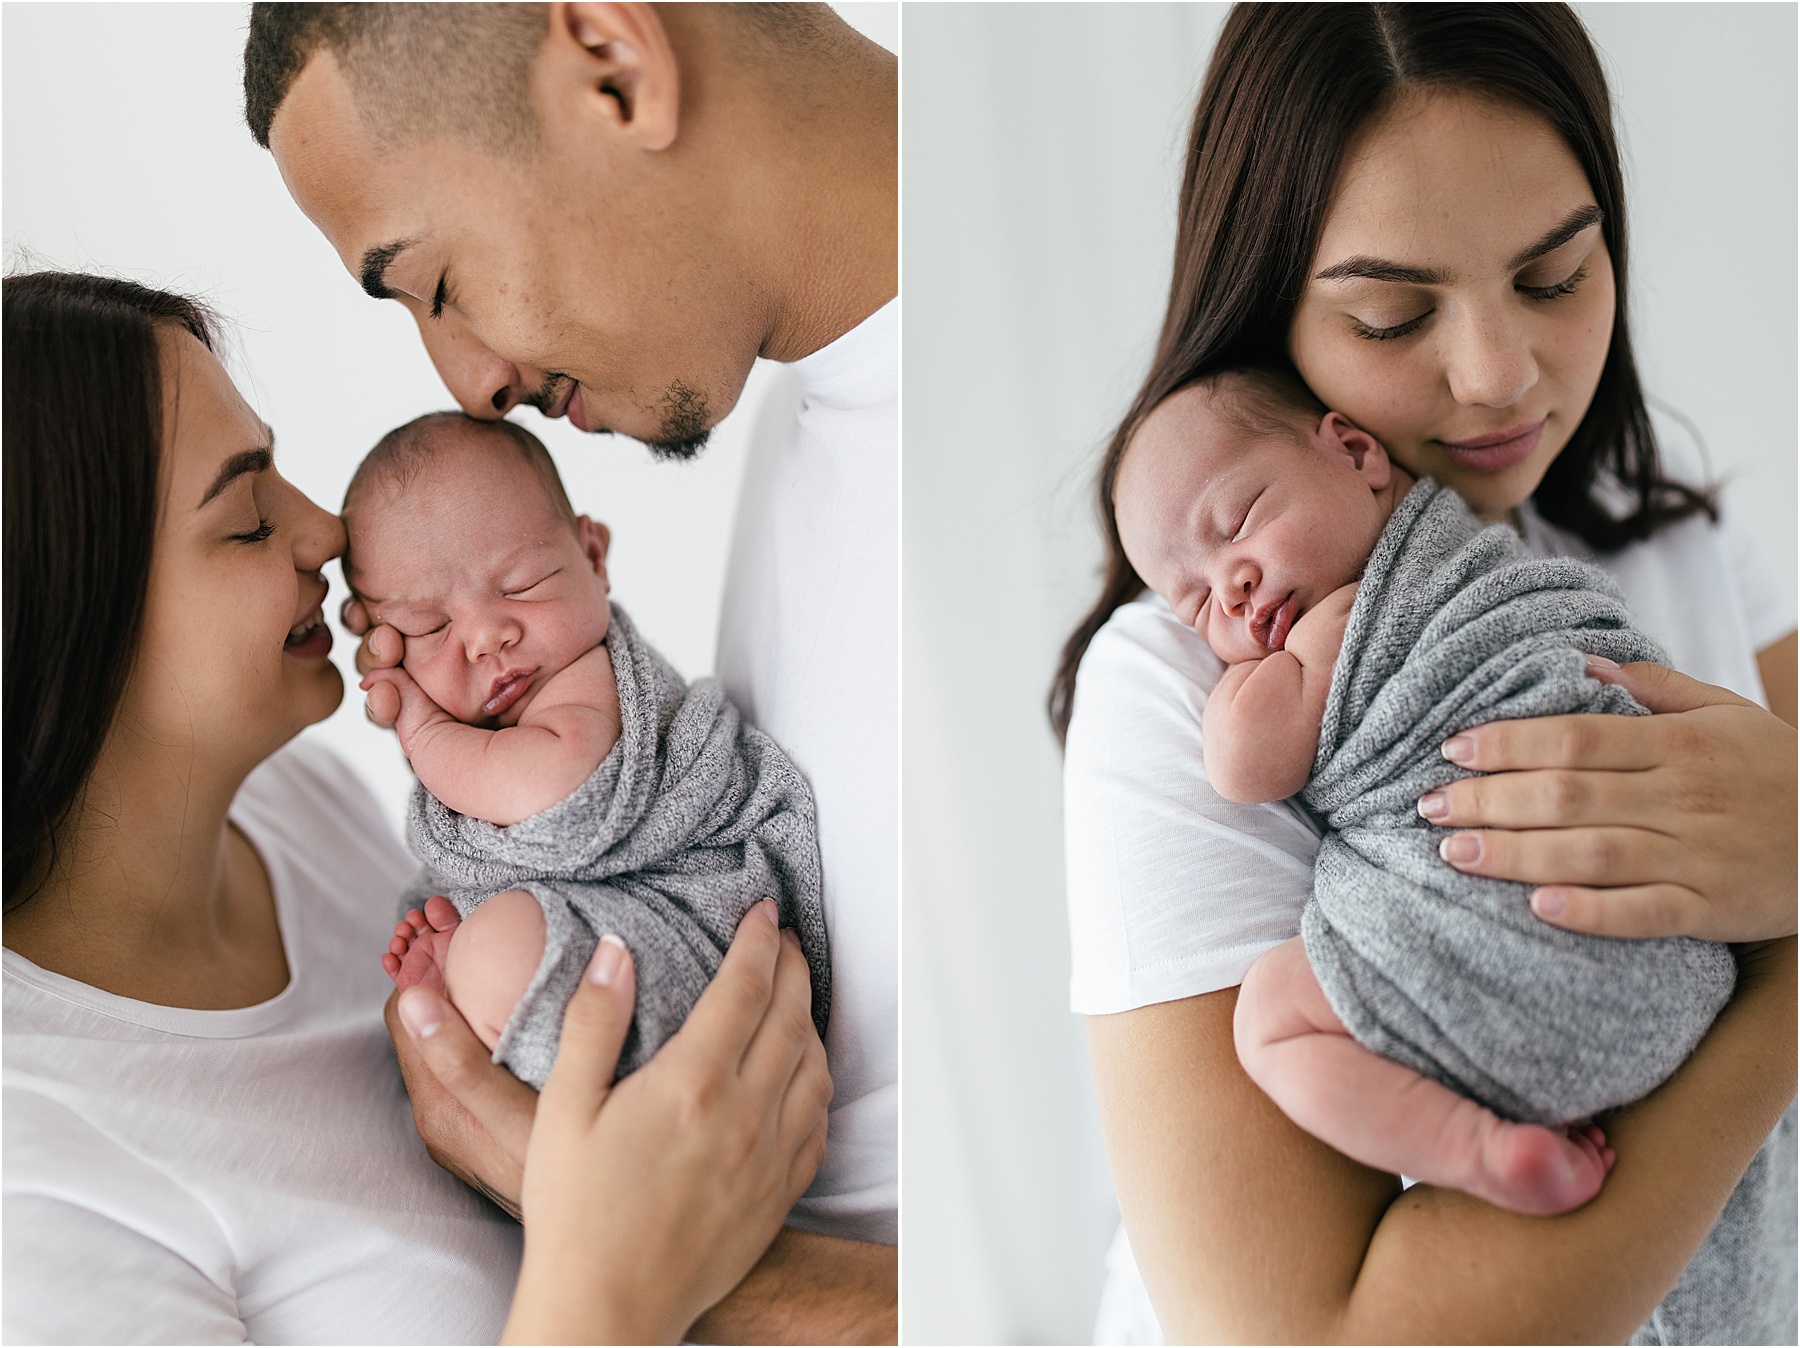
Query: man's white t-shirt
x=1174 y=891
x=809 y=650
x=181 y=1176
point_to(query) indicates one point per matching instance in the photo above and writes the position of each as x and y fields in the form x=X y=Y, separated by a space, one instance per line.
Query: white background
x=1042 y=151
x=125 y=151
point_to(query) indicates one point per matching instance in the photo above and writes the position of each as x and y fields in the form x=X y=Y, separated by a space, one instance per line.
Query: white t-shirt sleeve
x=1173 y=891
x=1768 y=610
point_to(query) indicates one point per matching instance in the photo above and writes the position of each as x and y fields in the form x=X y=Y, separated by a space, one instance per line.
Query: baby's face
x=1243 y=532
x=493 y=589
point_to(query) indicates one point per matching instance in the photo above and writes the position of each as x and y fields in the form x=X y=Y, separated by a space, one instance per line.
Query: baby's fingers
x=382 y=648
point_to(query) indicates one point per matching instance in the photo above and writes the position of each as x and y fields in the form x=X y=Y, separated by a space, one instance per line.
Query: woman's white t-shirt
x=181 y=1176
x=1174 y=891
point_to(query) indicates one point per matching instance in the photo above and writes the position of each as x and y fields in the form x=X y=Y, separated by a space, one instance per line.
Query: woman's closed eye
x=258 y=534
x=1567 y=286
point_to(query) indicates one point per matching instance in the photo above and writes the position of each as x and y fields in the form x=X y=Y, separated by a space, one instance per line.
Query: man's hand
x=474 y=1115
x=810 y=1288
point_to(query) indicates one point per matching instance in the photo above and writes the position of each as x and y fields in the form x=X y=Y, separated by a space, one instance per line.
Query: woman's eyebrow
x=1572 y=224
x=249 y=461
x=1364 y=267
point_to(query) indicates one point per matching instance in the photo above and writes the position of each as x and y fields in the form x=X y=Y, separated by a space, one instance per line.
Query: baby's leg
x=492 y=958
x=1375 y=1111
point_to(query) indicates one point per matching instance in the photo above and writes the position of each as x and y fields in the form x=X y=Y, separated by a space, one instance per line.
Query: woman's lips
x=1496 y=452
x=310 y=638
x=508 y=690
x=573 y=409
x=1269 y=626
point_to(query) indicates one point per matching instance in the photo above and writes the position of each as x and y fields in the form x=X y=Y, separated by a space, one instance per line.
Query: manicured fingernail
x=1601 y=662
x=1434 y=805
x=1549 y=902
x=603 y=969
x=1460 y=848
x=421 y=1015
x=1459 y=749
x=768 y=909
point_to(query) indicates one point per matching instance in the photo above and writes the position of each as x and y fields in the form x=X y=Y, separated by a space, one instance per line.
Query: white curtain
x=1042 y=147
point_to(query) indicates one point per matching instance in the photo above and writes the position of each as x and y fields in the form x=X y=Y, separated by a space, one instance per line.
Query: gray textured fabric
x=691 y=819
x=1456 y=625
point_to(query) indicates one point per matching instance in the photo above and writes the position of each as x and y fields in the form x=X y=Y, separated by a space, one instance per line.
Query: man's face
x=577 y=275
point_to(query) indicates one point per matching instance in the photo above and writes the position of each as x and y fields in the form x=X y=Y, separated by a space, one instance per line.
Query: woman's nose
x=318 y=534
x=1490 y=361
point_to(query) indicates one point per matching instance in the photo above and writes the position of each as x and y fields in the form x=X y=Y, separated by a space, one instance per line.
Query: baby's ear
x=595 y=538
x=1341 y=435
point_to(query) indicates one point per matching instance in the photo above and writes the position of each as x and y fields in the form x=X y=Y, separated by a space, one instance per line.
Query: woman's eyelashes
x=1567 y=286
x=256 y=535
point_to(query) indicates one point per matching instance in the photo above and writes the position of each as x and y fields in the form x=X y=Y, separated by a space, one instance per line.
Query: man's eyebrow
x=1369 y=268
x=1576 y=221
x=375 y=263
x=249 y=461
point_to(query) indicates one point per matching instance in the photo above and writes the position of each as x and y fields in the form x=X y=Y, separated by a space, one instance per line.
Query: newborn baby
x=571 y=787
x=1424 y=1023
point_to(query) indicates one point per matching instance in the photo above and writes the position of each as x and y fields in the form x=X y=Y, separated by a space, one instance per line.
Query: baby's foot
x=1528 y=1168
x=421 y=944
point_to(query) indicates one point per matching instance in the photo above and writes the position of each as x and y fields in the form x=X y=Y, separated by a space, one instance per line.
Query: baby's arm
x=507 y=775
x=1261 y=725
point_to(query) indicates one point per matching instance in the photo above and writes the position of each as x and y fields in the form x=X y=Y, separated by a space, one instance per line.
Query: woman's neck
x=154 y=895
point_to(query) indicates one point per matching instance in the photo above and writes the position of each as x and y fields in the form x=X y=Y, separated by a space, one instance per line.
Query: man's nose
x=486 y=386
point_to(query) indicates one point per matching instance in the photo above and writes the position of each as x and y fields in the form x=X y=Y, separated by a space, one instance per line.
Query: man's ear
x=1340 y=435
x=617 y=60
x=595 y=538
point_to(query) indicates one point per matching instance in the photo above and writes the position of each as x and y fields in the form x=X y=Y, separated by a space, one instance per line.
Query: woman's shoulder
x=304 y=798
x=1172 y=890
x=1699 y=587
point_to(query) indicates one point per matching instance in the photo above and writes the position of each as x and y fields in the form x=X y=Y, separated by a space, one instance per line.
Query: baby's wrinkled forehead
x=452 y=489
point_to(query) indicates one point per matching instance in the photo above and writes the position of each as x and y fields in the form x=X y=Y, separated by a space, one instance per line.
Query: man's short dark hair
x=464 y=69
x=413 y=69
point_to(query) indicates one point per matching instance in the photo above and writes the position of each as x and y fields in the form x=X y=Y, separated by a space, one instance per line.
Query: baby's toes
x=441 y=913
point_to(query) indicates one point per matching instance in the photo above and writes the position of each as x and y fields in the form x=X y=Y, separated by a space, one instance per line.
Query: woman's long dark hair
x=83 y=452
x=1287 y=87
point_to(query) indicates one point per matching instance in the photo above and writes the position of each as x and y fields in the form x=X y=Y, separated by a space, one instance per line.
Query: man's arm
x=475 y=1118
x=810 y=1288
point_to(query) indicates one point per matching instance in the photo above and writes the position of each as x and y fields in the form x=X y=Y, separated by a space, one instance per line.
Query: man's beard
x=684 y=430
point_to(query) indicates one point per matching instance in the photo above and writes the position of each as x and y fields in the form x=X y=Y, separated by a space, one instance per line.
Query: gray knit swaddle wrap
x=691 y=819
x=1456 y=625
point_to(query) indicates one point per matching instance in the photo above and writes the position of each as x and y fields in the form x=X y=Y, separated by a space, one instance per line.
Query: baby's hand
x=1319 y=635
x=394 y=699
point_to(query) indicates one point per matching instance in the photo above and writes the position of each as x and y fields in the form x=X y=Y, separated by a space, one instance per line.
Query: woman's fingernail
x=1601 y=662
x=421 y=1015
x=1434 y=805
x=603 y=969
x=768 y=909
x=1459 y=748
x=1460 y=848
x=1549 y=902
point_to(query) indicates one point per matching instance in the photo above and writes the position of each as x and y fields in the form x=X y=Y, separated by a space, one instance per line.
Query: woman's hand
x=1678 y=824
x=648 y=1201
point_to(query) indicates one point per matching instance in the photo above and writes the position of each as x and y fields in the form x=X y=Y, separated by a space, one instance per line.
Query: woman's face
x=1460 y=304
x=234 y=656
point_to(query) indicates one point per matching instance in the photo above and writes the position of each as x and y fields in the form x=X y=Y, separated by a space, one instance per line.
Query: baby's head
x=1244 y=502
x=462 y=538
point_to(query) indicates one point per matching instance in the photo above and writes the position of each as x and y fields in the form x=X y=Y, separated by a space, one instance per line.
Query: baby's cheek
x=438 y=683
